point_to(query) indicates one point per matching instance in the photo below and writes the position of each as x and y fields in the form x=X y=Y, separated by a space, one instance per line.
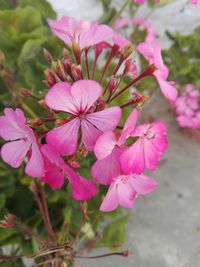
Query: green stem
x=117 y=15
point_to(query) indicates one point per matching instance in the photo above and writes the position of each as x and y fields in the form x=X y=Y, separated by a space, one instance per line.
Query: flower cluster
x=85 y=117
x=187 y=107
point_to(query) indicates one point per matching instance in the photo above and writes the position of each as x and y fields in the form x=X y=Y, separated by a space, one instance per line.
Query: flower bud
x=9 y=221
x=67 y=63
x=113 y=83
x=48 y=57
x=60 y=71
x=76 y=72
x=130 y=67
x=127 y=50
x=51 y=79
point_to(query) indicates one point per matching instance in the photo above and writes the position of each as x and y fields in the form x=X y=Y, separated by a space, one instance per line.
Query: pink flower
x=195 y=2
x=152 y=53
x=79 y=101
x=120 y=40
x=121 y=23
x=139 y=1
x=13 y=128
x=56 y=169
x=151 y=34
x=107 y=152
x=188 y=107
x=125 y=189
x=82 y=33
x=147 y=150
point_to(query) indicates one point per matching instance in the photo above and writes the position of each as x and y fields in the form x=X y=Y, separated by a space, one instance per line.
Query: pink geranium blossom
x=107 y=152
x=125 y=189
x=79 y=101
x=187 y=107
x=151 y=34
x=13 y=128
x=55 y=169
x=82 y=32
x=147 y=150
x=152 y=53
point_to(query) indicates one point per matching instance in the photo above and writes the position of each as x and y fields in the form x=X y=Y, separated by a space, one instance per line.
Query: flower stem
x=118 y=14
x=87 y=64
x=123 y=254
x=42 y=190
x=148 y=72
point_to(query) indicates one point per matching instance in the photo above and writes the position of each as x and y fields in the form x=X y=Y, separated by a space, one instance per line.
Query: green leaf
x=114 y=233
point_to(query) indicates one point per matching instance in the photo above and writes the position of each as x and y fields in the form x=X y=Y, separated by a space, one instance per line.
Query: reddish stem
x=148 y=72
x=87 y=64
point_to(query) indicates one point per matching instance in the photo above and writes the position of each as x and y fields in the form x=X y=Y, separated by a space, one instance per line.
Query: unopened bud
x=60 y=71
x=9 y=221
x=51 y=79
x=65 y=53
x=48 y=57
x=113 y=83
x=76 y=71
x=32 y=187
x=60 y=121
x=127 y=50
x=115 y=50
x=130 y=67
x=67 y=63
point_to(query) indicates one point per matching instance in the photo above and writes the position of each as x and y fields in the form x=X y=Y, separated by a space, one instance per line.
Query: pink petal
x=13 y=153
x=64 y=138
x=111 y=200
x=53 y=176
x=59 y=98
x=126 y=195
x=35 y=165
x=151 y=154
x=108 y=168
x=96 y=34
x=168 y=90
x=143 y=184
x=105 y=120
x=65 y=29
x=105 y=145
x=82 y=189
x=85 y=93
x=132 y=159
x=128 y=127
x=12 y=125
x=90 y=134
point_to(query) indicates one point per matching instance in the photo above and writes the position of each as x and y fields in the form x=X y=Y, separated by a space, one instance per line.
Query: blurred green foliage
x=183 y=58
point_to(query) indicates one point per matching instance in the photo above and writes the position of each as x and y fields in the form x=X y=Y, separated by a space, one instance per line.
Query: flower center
x=149 y=134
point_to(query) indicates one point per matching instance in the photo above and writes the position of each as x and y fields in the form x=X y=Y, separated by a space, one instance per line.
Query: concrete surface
x=164 y=227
